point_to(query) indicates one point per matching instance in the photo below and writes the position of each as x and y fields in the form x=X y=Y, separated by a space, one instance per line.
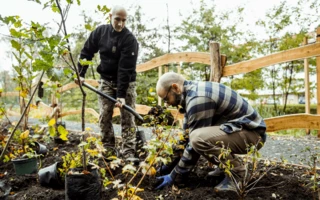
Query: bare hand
x=77 y=82
x=120 y=102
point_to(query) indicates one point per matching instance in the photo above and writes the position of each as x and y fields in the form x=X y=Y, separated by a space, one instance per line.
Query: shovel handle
x=128 y=108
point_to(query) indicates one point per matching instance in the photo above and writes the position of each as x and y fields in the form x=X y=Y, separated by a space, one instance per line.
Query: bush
x=267 y=111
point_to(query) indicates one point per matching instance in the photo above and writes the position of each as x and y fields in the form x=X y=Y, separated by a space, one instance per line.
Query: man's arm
x=127 y=65
x=200 y=111
x=90 y=47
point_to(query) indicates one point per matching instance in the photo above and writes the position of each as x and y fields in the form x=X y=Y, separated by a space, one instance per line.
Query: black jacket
x=118 y=55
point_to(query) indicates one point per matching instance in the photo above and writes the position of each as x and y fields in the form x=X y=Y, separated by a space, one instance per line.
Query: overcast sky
x=157 y=9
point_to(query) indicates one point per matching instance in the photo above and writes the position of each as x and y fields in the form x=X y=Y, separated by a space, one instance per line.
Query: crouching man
x=217 y=117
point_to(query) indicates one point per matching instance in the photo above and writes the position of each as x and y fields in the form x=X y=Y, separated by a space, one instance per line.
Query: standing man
x=216 y=117
x=118 y=50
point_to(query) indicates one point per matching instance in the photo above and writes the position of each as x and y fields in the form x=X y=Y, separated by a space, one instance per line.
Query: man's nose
x=120 y=23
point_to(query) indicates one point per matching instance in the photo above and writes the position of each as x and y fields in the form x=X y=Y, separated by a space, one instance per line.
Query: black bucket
x=49 y=176
x=83 y=186
x=41 y=149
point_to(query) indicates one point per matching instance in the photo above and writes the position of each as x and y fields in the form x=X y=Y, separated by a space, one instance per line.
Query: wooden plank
x=72 y=85
x=216 y=70
x=296 y=121
x=9 y=94
x=307 y=51
x=198 y=57
x=75 y=112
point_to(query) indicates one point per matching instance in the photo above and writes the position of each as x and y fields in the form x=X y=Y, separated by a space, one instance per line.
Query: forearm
x=187 y=162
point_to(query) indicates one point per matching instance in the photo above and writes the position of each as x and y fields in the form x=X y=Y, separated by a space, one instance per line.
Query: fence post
x=318 y=78
x=159 y=74
x=215 y=59
x=306 y=84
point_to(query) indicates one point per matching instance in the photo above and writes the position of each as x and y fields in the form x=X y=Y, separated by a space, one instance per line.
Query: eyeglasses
x=165 y=99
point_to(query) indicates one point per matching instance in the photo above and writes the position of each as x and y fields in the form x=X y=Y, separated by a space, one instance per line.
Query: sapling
x=253 y=173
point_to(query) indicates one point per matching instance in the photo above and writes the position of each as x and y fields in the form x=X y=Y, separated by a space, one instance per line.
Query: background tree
x=205 y=24
x=148 y=39
x=278 y=24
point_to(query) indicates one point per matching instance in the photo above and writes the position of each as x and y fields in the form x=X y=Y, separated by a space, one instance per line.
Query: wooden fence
x=218 y=70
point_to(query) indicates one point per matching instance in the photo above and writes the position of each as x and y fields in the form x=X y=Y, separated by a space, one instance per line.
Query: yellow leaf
x=131 y=190
x=152 y=171
x=24 y=93
x=93 y=152
x=24 y=135
x=55 y=148
x=63 y=133
x=52 y=122
x=112 y=158
x=33 y=106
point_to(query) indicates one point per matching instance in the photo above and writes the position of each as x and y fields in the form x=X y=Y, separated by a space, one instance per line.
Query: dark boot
x=216 y=172
x=225 y=185
x=109 y=141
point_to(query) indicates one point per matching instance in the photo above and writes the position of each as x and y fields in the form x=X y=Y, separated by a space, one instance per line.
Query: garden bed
x=282 y=182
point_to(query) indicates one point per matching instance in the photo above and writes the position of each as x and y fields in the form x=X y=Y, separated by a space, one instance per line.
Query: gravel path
x=277 y=148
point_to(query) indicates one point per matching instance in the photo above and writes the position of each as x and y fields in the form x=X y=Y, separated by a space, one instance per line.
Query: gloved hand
x=164 y=169
x=164 y=181
x=120 y=102
x=81 y=80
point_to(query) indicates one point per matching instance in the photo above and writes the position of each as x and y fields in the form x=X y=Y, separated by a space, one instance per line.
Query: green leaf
x=55 y=8
x=15 y=45
x=39 y=65
x=15 y=33
x=88 y=27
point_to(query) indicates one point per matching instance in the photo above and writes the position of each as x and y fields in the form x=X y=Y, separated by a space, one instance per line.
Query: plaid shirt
x=214 y=104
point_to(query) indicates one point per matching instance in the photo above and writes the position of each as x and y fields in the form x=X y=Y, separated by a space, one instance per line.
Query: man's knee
x=196 y=138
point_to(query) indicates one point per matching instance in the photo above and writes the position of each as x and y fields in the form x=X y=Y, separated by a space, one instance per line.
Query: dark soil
x=282 y=182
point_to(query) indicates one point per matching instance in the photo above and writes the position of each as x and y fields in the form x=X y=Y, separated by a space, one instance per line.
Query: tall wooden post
x=306 y=84
x=318 y=78
x=216 y=70
x=178 y=69
x=159 y=74
x=166 y=68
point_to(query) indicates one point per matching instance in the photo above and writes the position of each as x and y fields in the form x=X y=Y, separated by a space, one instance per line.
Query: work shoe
x=225 y=185
x=216 y=172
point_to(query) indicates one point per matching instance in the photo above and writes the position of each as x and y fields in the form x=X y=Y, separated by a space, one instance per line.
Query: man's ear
x=176 y=88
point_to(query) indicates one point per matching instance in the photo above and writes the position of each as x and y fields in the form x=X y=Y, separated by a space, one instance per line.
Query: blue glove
x=164 y=181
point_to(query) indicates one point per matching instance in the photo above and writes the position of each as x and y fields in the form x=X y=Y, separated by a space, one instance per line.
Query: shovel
x=128 y=108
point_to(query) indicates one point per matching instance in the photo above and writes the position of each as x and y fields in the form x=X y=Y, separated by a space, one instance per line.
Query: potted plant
x=24 y=157
x=78 y=171
x=82 y=177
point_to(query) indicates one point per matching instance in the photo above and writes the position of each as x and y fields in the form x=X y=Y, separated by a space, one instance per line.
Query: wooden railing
x=218 y=70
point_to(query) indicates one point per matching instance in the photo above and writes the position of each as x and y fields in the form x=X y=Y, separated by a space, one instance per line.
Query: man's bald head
x=166 y=81
x=118 y=8
x=118 y=18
